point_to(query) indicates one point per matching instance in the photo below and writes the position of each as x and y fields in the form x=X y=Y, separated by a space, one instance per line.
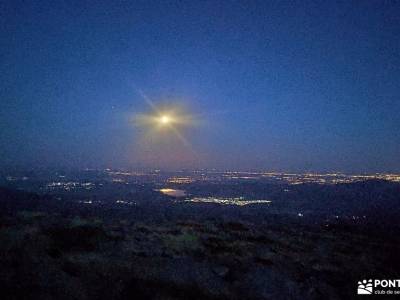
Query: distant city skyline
x=270 y=86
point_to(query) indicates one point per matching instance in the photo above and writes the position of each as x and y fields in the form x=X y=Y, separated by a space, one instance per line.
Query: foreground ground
x=49 y=256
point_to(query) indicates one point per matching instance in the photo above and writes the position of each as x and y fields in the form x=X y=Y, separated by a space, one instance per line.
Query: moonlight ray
x=164 y=119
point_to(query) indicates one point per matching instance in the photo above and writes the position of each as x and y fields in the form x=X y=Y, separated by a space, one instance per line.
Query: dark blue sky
x=296 y=85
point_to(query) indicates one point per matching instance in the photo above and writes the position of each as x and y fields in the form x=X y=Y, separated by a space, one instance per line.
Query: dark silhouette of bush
x=79 y=238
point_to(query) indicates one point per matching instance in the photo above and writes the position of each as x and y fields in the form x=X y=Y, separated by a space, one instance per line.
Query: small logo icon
x=365 y=287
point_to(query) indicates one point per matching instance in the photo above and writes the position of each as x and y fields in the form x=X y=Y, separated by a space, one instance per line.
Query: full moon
x=165 y=119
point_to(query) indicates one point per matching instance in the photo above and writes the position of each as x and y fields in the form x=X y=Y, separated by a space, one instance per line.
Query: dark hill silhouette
x=52 y=249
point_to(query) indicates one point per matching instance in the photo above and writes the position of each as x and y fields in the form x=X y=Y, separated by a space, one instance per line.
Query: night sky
x=273 y=85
